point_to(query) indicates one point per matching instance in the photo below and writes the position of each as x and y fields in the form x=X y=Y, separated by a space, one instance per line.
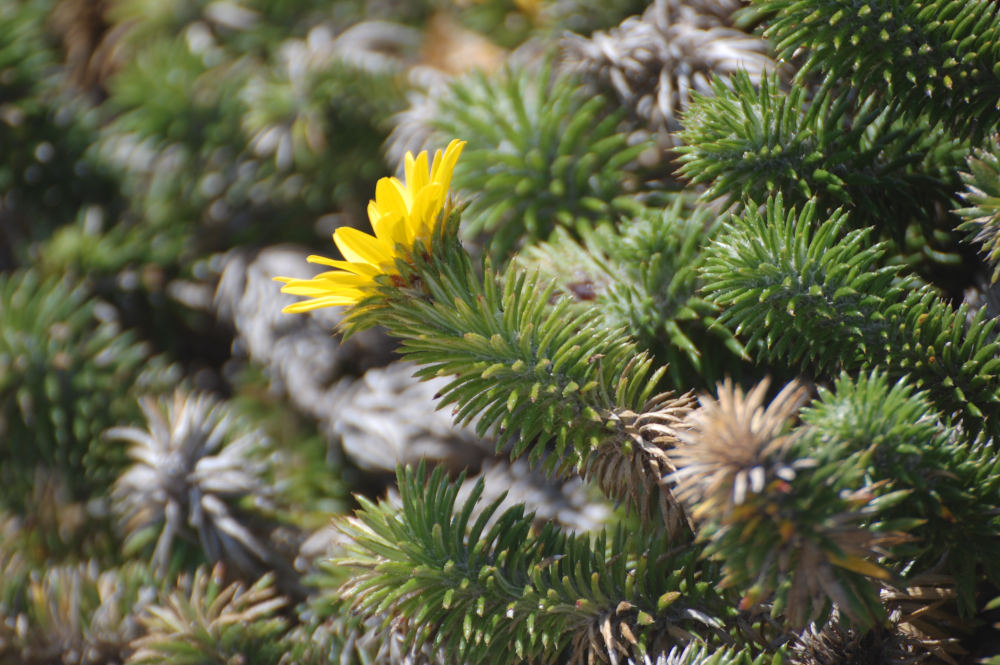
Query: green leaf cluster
x=540 y=154
x=525 y=369
x=207 y=621
x=891 y=433
x=810 y=294
x=934 y=57
x=644 y=275
x=748 y=142
x=46 y=174
x=67 y=373
x=490 y=590
x=981 y=214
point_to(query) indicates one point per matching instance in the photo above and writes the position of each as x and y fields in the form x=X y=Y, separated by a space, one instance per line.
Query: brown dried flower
x=733 y=446
x=631 y=464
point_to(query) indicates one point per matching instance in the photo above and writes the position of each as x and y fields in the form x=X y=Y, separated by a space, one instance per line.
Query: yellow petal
x=425 y=211
x=364 y=269
x=417 y=173
x=391 y=229
x=400 y=213
x=443 y=166
x=305 y=290
x=317 y=303
x=358 y=247
x=404 y=192
x=391 y=198
x=331 y=283
x=337 y=279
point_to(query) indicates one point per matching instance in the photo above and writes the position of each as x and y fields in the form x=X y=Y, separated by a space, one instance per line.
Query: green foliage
x=70 y=612
x=168 y=94
x=142 y=138
x=291 y=135
x=811 y=295
x=643 y=275
x=951 y=353
x=490 y=590
x=94 y=244
x=237 y=28
x=310 y=476
x=45 y=174
x=982 y=195
x=314 y=114
x=748 y=143
x=889 y=434
x=530 y=371
x=540 y=154
x=206 y=623
x=586 y=16
x=26 y=52
x=798 y=294
x=67 y=373
x=935 y=57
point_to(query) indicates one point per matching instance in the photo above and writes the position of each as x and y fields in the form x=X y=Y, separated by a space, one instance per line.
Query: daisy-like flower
x=401 y=214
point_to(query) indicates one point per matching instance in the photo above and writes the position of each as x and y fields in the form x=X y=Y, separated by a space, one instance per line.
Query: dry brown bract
x=631 y=464
x=733 y=446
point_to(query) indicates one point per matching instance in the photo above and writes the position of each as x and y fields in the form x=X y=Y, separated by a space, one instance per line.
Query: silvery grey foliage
x=379 y=46
x=413 y=127
x=693 y=653
x=287 y=108
x=703 y=13
x=983 y=293
x=567 y=503
x=191 y=466
x=652 y=63
x=304 y=358
x=340 y=640
x=388 y=418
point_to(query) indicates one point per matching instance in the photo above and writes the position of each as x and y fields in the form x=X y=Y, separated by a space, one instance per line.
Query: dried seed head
x=733 y=447
x=835 y=643
x=652 y=63
x=924 y=613
x=631 y=464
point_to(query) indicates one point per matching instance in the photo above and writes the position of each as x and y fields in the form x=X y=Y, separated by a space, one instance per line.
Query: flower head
x=401 y=214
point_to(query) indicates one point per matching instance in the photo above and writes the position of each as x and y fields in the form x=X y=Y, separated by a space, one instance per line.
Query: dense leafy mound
x=703 y=292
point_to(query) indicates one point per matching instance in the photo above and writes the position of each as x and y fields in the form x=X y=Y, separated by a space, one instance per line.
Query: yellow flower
x=401 y=214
